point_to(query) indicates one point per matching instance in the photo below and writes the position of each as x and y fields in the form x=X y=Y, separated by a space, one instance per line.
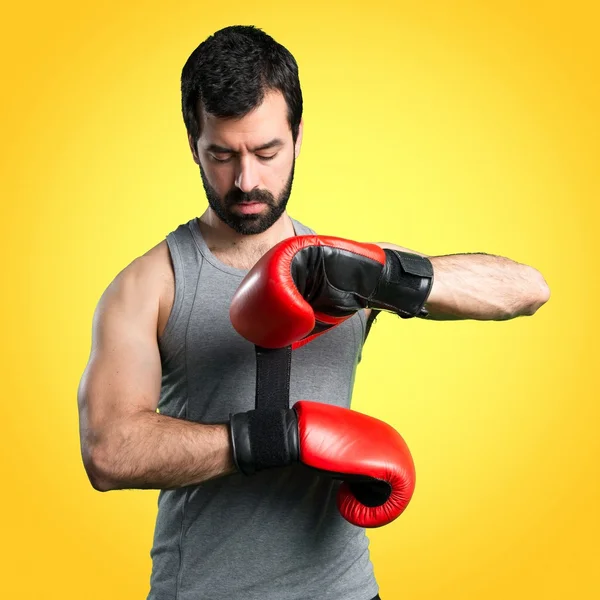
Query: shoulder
x=145 y=284
x=150 y=271
x=161 y=264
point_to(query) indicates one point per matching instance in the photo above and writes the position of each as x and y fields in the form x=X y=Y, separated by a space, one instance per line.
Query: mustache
x=236 y=196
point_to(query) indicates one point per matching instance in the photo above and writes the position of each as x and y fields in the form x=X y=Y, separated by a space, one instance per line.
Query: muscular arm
x=482 y=287
x=124 y=442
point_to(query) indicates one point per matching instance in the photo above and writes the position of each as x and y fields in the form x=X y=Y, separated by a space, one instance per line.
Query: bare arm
x=124 y=442
x=482 y=287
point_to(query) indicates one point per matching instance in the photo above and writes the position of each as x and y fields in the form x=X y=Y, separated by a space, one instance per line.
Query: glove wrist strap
x=404 y=285
x=265 y=438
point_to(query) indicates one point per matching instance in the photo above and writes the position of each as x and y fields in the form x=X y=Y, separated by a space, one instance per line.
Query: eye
x=266 y=158
x=220 y=160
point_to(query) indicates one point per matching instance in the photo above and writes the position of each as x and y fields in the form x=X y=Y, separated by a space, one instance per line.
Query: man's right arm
x=125 y=443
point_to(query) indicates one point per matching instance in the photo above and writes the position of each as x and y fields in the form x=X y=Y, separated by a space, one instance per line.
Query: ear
x=298 y=143
x=194 y=149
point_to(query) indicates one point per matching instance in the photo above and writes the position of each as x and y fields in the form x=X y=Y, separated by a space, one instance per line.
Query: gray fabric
x=276 y=535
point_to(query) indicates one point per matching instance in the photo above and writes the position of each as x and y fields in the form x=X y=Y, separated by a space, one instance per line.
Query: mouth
x=250 y=208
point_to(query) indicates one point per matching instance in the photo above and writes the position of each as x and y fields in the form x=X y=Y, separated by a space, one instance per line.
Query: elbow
x=101 y=484
x=99 y=468
x=539 y=295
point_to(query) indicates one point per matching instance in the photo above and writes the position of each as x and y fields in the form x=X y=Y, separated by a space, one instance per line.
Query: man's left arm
x=481 y=286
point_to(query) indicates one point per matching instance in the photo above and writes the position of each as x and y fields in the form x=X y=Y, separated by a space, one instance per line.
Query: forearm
x=152 y=451
x=484 y=287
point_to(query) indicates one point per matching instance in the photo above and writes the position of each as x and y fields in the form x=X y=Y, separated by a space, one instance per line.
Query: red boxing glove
x=307 y=284
x=296 y=291
x=367 y=454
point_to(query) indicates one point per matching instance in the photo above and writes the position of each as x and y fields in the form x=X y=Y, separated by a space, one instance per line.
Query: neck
x=221 y=237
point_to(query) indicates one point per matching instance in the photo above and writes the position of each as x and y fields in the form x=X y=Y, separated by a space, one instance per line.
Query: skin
x=124 y=442
x=246 y=169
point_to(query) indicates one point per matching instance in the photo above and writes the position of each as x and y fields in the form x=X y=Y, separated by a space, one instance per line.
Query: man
x=163 y=339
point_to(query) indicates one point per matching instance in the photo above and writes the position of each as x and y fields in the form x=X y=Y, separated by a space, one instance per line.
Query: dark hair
x=229 y=73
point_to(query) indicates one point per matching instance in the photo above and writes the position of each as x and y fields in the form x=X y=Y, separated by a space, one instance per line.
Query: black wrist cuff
x=264 y=438
x=405 y=284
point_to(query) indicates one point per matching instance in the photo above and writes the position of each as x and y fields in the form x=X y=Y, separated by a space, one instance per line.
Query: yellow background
x=444 y=127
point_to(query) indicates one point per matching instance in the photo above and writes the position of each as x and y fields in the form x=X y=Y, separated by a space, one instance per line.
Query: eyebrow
x=223 y=150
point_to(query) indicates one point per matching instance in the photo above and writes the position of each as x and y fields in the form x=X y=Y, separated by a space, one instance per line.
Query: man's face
x=247 y=165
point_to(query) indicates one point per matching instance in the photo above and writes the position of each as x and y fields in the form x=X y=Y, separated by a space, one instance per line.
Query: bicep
x=123 y=374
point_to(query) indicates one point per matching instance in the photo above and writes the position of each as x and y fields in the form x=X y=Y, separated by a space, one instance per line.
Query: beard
x=248 y=224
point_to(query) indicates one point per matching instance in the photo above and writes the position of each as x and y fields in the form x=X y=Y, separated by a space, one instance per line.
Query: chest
x=239 y=259
x=208 y=361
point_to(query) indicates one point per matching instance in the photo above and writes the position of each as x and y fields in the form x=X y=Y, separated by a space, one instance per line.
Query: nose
x=247 y=176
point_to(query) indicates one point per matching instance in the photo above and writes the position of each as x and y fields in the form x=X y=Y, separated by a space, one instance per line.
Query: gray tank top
x=276 y=535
